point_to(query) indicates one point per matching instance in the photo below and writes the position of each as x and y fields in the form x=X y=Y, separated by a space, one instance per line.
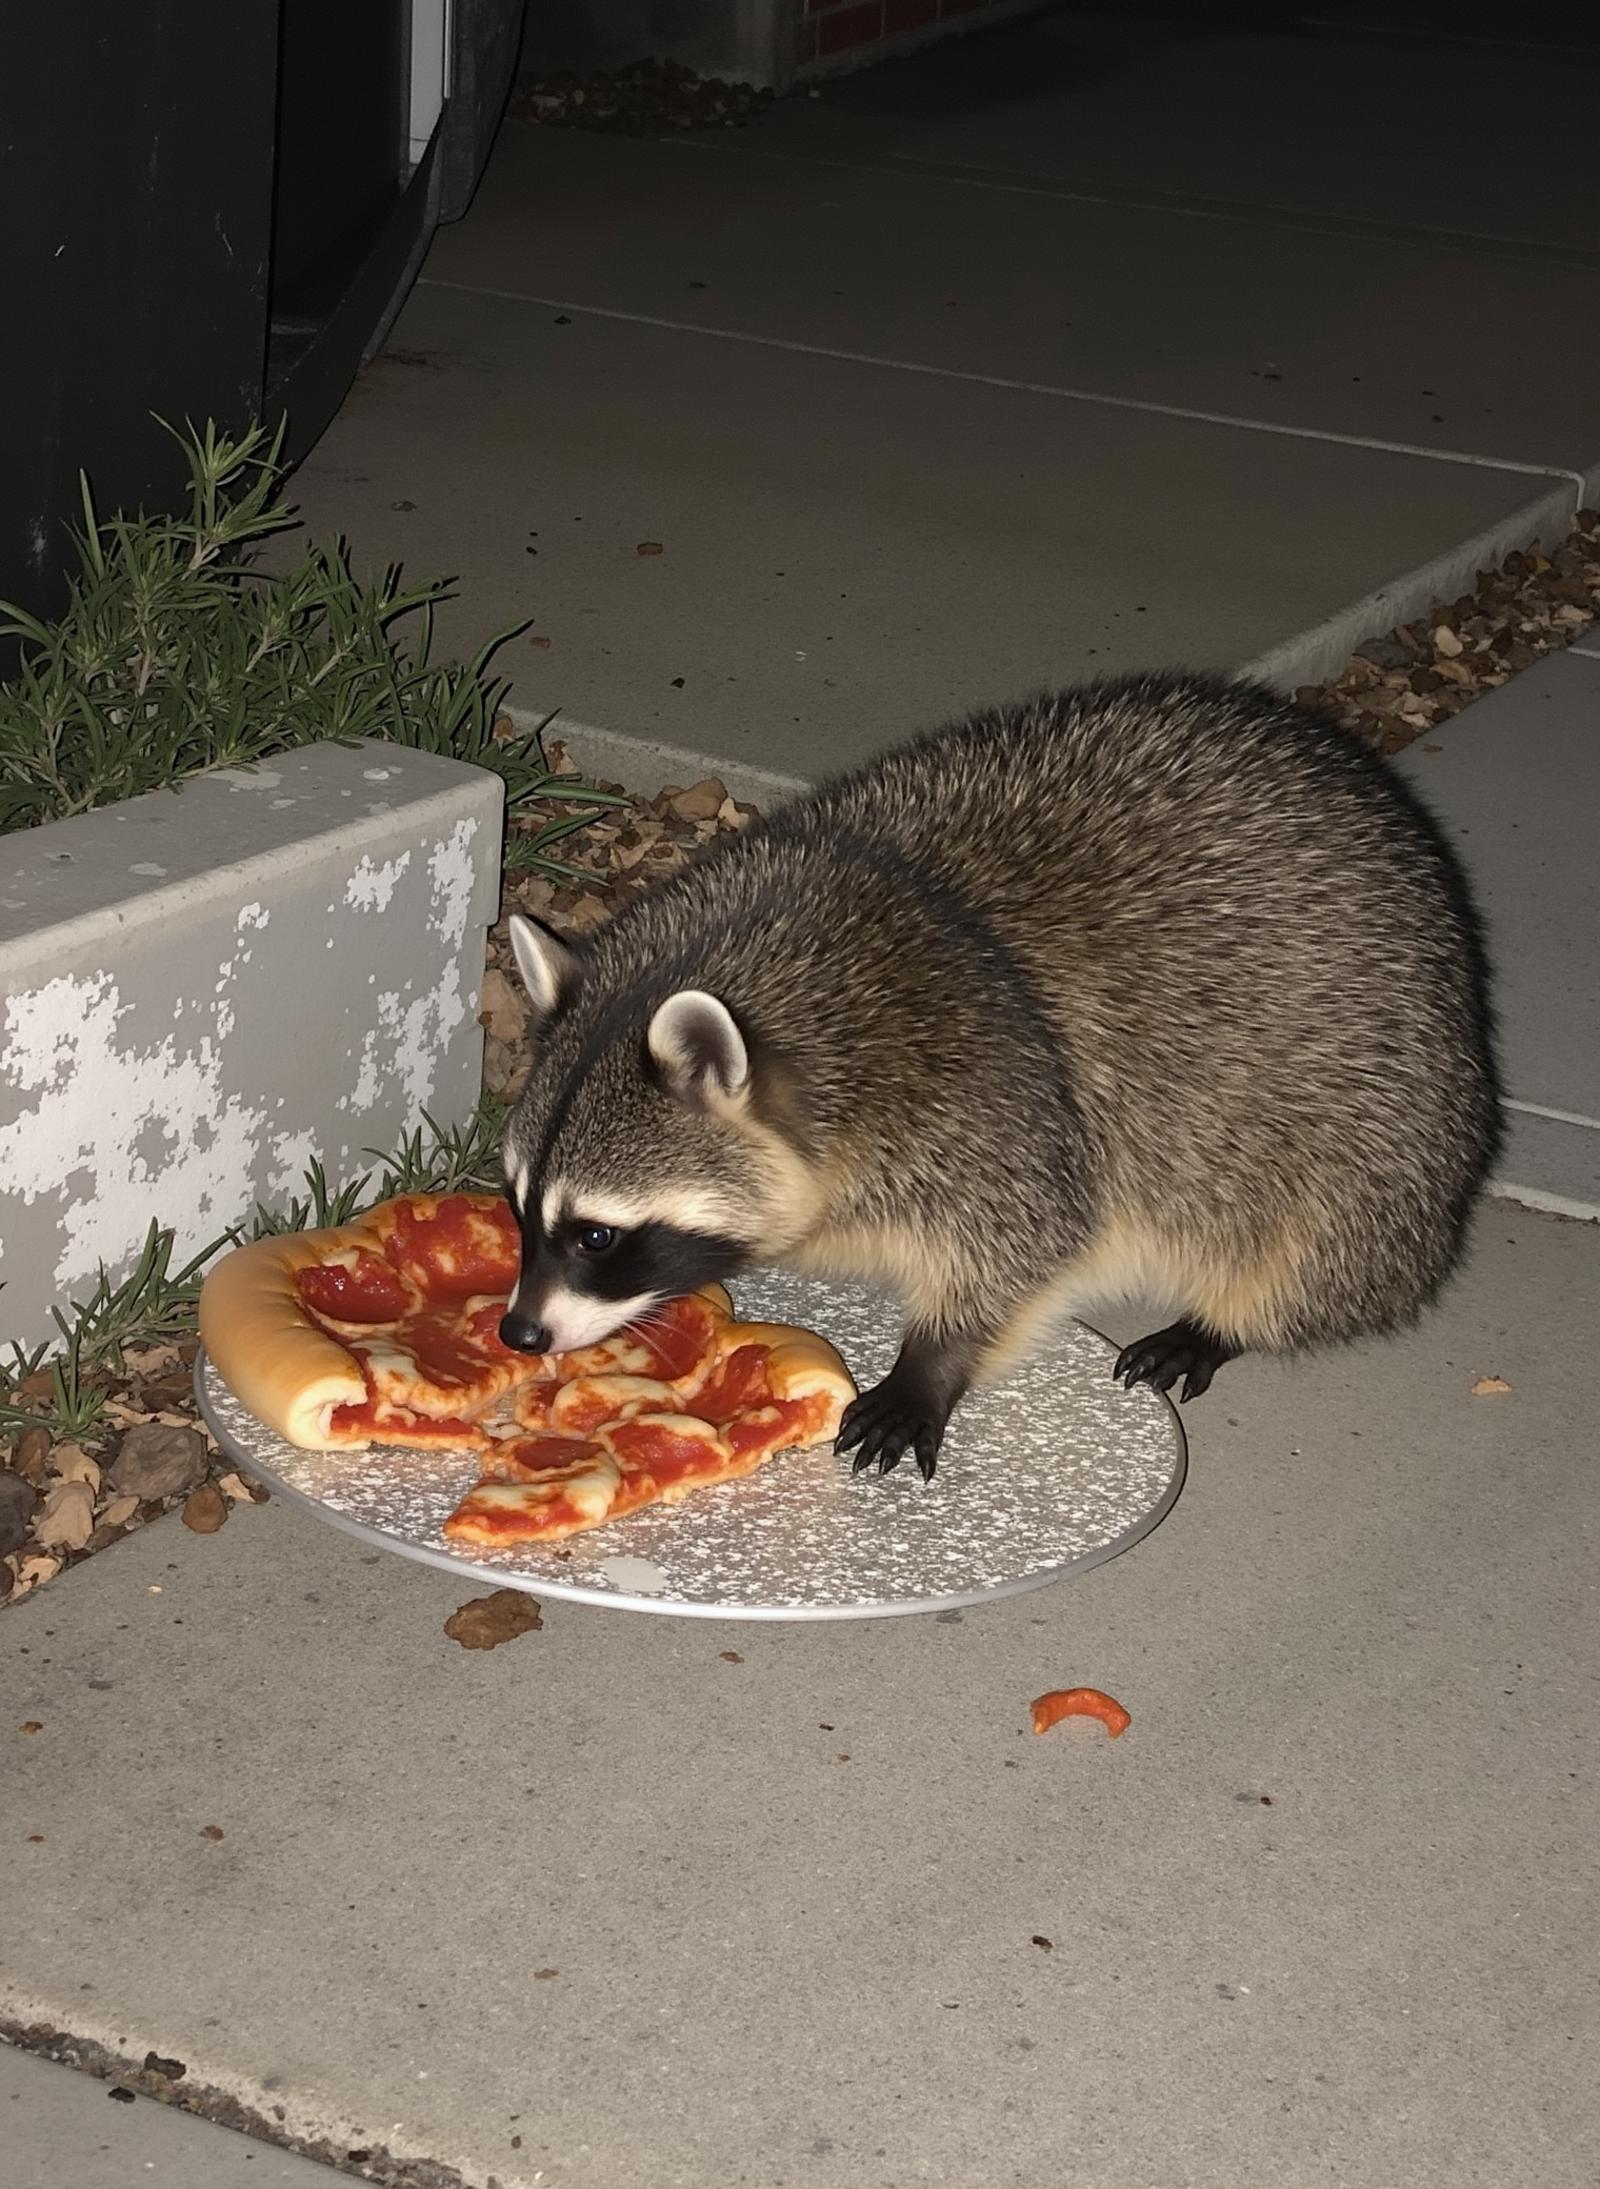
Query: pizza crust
x=799 y=1363
x=263 y=1344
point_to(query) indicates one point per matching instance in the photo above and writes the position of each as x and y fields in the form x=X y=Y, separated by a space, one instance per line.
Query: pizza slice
x=386 y=1330
x=764 y=1388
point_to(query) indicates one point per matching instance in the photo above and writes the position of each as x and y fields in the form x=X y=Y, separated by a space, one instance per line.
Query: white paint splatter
x=376 y=775
x=453 y=870
x=413 y=1032
x=370 y=887
x=293 y=1155
x=365 y=1091
x=252 y=915
x=246 y=778
x=99 y=1103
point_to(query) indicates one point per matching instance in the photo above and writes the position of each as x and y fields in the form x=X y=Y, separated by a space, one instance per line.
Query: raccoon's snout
x=523 y=1334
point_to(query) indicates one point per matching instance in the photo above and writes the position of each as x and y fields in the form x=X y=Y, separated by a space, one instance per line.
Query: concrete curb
x=1316 y=655
x=644 y=764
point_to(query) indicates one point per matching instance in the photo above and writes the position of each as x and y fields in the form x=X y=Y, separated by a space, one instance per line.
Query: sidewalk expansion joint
x=1575 y=479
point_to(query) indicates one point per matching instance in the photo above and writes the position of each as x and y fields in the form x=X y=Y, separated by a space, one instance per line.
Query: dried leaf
x=33 y=1571
x=119 y=1512
x=71 y=1463
x=503 y=1009
x=1488 y=1387
x=205 y=1509
x=148 y=1360
x=487 y=1621
x=30 y=1453
x=701 y=801
x=66 y=1519
x=123 y=1416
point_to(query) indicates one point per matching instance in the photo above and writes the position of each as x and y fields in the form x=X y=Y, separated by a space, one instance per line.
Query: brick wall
x=832 y=35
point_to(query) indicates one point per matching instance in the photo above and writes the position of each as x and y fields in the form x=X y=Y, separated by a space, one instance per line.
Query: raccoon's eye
x=595 y=1238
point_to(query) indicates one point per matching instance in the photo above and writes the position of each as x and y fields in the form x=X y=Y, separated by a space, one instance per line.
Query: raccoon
x=1158 y=987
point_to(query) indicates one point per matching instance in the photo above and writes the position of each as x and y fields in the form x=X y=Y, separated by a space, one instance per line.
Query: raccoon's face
x=634 y=1161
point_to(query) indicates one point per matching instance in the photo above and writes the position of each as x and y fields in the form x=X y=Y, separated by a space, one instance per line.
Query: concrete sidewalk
x=1516 y=780
x=60 y=2130
x=606 y=1910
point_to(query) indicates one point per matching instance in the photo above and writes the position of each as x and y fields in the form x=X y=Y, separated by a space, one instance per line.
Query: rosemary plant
x=177 y=653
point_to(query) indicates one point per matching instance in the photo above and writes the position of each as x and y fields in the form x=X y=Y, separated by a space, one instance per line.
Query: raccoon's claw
x=1182 y=1349
x=884 y=1424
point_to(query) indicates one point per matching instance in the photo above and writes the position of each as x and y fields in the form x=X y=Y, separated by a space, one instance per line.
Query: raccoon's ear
x=698 y=1047
x=544 y=962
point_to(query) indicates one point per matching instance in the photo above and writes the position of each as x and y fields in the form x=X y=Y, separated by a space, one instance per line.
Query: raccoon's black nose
x=522 y=1335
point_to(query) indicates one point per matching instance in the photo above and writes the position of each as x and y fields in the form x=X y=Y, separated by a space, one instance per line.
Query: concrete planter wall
x=201 y=991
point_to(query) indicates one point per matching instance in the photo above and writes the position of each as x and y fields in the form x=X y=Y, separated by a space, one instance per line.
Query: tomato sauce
x=526 y=1459
x=368 y=1292
x=739 y=1382
x=456 y=1246
x=668 y=1456
x=449 y=1354
x=398 y=1425
x=676 y=1336
x=770 y=1428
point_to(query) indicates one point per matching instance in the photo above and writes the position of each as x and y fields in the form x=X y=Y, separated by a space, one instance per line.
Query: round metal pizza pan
x=1053 y=1471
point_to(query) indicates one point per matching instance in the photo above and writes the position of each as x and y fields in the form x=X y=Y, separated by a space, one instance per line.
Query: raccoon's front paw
x=895 y=1417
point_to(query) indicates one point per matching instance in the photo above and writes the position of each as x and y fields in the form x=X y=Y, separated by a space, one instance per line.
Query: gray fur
x=1159 y=983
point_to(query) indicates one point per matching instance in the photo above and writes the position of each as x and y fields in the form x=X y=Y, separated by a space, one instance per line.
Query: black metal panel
x=209 y=213
x=343 y=156
x=136 y=160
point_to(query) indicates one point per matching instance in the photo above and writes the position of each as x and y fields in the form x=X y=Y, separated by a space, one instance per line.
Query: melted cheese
x=590 y=1489
x=595 y=1399
x=384 y=1358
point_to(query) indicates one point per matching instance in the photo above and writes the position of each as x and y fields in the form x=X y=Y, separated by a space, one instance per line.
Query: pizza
x=385 y=1330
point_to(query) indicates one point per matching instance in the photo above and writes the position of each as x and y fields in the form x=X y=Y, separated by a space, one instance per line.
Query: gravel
x=637 y=101
x=150 y=1456
x=1400 y=686
x=156 y=1459
x=18 y=1502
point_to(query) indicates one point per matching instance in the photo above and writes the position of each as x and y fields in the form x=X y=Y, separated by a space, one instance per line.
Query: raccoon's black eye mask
x=653 y=1258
